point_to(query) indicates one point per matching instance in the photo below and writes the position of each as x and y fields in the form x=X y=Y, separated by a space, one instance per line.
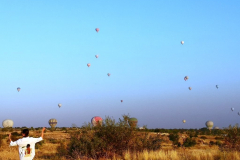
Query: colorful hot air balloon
x=186 y=78
x=182 y=42
x=108 y=74
x=52 y=122
x=184 y=121
x=96 y=56
x=97 y=121
x=8 y=123
x=133 y=122
x=18 y=89
x=232 y=109
x=209 y=125
x=121 y=100
x=97 y=30
x=190 y=88
x=88 y=64
x=59 y=105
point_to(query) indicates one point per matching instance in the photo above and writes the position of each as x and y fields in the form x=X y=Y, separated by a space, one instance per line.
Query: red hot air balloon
x=121 y=100
x=96 y=56
x=96 y=121
x=88 y=64
x=97 y=30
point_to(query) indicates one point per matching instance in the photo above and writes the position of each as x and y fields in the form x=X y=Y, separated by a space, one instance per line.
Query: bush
x=112 y=138
x=39 y=144
x=232 y=138
x=174 y=137
x=189 y=142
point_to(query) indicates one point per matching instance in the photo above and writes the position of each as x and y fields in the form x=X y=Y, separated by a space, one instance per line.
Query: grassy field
x=51 y=148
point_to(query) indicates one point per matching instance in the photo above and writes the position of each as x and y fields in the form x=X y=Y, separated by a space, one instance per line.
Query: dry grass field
x=49 y=149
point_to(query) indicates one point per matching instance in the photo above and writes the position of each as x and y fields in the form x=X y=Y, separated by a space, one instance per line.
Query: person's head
x=25 y=133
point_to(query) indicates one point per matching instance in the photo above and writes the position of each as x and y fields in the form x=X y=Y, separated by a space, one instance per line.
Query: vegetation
x=109 y=140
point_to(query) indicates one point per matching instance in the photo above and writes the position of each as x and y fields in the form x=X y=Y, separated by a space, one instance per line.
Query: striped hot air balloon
x=97 y=121
x=52 y=122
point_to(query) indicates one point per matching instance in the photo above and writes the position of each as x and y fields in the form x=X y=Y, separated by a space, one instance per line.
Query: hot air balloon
x=182 y=42
x=97 y=121
x=190 y=88
x=88 y=64
x=184 y=121
x=232 y=109
x=97 y=30
x=239 y=113
x=52 y=122
x=96 y=56
x=59 y=105
x=186 y=78
x=8 y=123
x=18 y=89
x=217 y=86
x=121 y=100
x=108 y=74
x=209 y=125
x=216 y=128
x=133 y=122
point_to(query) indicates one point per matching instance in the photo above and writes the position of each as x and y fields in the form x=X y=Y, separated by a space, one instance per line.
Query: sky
x=45 y=47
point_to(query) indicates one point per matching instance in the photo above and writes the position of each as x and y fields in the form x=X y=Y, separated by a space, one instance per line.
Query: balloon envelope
x=190 y=88
x=232 y=109
x=133 y=122
x=108 y=74
x=88 y=64
x=96 y=56
x=209 y=124
x=97 y=29
x=18 y=89
x=8 y=123
x=59 y=105
x=121 y=100
x=184 y=121
x=96 y=121
x=182 y=42
x=52 y=122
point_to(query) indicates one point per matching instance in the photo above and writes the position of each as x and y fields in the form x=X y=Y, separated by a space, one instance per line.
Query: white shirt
x=24 y=153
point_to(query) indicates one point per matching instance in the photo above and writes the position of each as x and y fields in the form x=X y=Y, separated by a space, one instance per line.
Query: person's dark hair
x=25 y=132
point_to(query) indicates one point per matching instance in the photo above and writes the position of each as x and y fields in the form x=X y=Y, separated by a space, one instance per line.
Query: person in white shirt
x=26 y=145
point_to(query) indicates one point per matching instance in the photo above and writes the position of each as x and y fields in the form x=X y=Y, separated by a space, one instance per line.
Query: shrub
x=232 y=138
x=189 y=142
x=112 y=138
x=174 y=137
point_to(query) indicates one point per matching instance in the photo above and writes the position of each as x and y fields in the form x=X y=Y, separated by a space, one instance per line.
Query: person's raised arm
x=43 y=132
x=11 y=142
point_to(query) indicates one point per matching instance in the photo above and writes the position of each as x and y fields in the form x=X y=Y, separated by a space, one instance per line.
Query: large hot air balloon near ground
x=18 y=89
x=184 y=121
x=59 y=105
x=97 y=121
x=209 y=125
x=8 y=123
x=88 y=64
x=97 y=30
x=52 y=122
x=133 y=122
x=182 y=42
x=96 y=56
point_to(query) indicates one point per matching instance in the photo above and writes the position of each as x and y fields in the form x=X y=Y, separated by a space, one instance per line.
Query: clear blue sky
x=45 y=47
